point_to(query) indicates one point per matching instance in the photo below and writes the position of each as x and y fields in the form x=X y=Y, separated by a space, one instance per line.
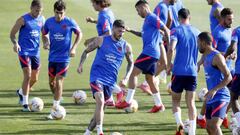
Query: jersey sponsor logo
x=58 y=36
x=111 y=58
x=34 y=33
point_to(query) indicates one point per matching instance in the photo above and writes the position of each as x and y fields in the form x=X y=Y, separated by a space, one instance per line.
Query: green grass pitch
x=13 y=121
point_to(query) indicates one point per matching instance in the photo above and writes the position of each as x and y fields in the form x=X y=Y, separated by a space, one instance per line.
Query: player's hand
x=72 y=53
x=90 y=19
x=233 y=56
x=16 y=48
x=210 y=95
x=127 y=29
x=80 y=69
x=46 y=46
x=123 y=83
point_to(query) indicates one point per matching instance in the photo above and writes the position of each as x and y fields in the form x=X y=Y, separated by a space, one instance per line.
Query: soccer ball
x=233 y=122
x=79 y=97
x=115 y=133
x=36 y=104
x=202 y=93
x=132 y=108
x=186 y=126
x=58 y=112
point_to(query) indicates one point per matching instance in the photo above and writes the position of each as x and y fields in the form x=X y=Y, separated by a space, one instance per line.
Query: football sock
x=157 y=99
x=130 y=95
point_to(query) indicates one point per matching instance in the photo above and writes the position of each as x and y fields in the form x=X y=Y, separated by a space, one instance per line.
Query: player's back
x=186 y=50
x=105 y=21
x=174 y=13
x=108 y=60
x=161 y=10
x=236 y=38
x=213 y=77
x=213 y=20
x=29 y=35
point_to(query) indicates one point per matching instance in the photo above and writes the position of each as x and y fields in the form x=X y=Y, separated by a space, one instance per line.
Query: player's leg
x=132 y=82
x=52 y=76
x=190 y=84
x=190 y=100
x=215 y=113
x=58 y=90
x=201 y=120
x=155 y=93
x=177 y=89
x=213 y=126
x=35 y=61
x=162 y=65
x=99 y=113
x=23 y=93
x=235 y=92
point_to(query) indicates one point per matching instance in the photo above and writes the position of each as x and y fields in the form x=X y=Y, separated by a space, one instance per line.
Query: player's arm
x=217 y=13
x=91 y=20
x=137 y=33
x=232 y=48
x=17 y=26
x=220 y=63
x=170 y=52
x=129 y=58
x=96 y=43
x=199 y=63
x=76 y=42
x=169 y=19
x=166 y=35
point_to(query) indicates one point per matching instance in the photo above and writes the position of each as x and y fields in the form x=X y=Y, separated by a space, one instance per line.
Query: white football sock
x=237 y=115
x=87 y=132
x=145 y=83
x=157 y=99
x=56 y=102
x=99 y=129
x=130 y=95
x=200 y=116
x=21 y=91
x=192 y=127
x=178 y=118
x=25 y=100
x=116 y=89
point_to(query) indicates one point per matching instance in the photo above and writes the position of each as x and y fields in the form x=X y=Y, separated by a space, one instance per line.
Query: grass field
x=13 y=121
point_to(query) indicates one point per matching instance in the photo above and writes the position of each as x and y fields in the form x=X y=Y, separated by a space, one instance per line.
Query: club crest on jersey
x=40 y=24
x=64 y=26
x=119 y=49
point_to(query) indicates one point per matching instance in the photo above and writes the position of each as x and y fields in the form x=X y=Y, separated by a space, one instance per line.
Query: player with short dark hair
x=104 y=71
x=57 y=36
x=217 y=77
x=27 y=47
x=147 y=60
x=184 y=73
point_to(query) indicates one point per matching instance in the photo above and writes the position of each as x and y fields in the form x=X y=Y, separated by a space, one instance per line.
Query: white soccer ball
x=58 y=112
x=202 y=93
x=79 y=97
x=36 y=104
x=186 y=126
x=236 y=131
x=115 y=133
x=233 y=122
x=132 y=108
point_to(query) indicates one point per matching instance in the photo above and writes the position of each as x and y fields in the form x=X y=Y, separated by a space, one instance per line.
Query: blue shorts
x=236 y=84
x=216 y=109
x=29 y=61
x=147 y=64
x=57 y=68
x=99 y=87
x=180 y=83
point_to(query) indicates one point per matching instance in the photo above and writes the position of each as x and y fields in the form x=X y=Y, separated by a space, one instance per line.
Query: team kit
x=171 y=46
